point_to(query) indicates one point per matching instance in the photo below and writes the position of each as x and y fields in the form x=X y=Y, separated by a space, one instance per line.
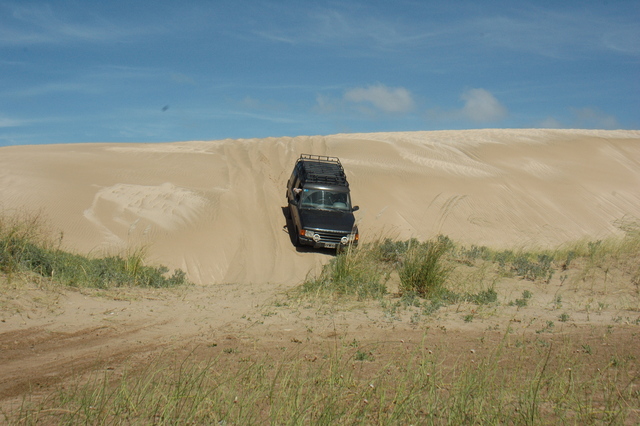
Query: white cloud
x=481 y=106
x=386 y=99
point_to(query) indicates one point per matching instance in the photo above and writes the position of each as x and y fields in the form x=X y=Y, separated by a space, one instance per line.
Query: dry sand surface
x=214 y=209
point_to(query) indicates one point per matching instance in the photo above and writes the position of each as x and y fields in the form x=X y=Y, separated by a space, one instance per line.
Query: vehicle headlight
x=347 y=239
x=310 y=234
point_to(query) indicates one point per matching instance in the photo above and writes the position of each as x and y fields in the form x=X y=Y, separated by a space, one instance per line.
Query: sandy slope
x=214 y=208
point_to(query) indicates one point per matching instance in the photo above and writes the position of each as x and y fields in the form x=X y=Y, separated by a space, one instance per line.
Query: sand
x=215 y=208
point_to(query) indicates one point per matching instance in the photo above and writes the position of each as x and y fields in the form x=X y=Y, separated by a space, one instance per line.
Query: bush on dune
x=25 y=247
x=363 y=271
x=425 y=268
x=354 y=272
x=422 y=270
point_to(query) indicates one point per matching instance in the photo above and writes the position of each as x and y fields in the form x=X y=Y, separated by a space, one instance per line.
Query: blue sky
x=155 y=71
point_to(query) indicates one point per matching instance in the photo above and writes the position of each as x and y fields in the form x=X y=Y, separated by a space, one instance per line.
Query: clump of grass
x=391 y=252
x=363 y=270
x=353 y=272
x=25 y=247
x=422 y=270
x=18 y=233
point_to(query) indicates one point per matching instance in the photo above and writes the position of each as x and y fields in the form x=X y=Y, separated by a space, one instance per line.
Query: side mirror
x=355 y=208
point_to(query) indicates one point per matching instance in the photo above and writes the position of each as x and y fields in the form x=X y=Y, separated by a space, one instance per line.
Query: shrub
x=354 y=272
x=24 y=246
x=530 y=270
x=423 y=270
x=392 y=252
x=18 y=233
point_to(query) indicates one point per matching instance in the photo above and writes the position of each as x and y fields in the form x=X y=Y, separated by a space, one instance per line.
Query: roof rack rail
x=322 y=158
x=323 y=169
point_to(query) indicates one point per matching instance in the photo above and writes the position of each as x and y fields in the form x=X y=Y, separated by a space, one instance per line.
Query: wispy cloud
x=344 y=28
x=383 y=98
x=50 y=88
x=582 y=118
x=557 y=32
x=327 y=104
x=625 y=39
x=182 y=78
x=593 y=118
x=278 y=118
x=550 y=123
x=22 y=24
x=10 y=122
x=563 y=35
x=255 y=104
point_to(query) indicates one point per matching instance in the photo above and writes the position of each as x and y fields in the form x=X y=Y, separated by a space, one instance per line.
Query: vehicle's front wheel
x=296 y=236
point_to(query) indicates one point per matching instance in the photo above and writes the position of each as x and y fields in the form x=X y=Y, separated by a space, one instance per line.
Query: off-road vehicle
x=319 y=204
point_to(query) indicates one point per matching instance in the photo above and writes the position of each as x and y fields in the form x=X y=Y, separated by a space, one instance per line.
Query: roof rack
x=323 y=169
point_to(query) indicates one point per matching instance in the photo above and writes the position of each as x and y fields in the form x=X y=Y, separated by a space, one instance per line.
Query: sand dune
x=214 y=208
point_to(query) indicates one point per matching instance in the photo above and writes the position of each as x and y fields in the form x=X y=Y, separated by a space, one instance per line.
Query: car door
x=293 y=195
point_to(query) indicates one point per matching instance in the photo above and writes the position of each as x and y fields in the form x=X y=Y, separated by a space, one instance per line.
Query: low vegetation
x=429 y=270
x=515 y=380
x=27 y=248
x=353 y=385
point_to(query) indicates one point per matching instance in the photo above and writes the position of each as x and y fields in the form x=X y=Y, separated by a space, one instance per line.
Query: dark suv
x=320 y=203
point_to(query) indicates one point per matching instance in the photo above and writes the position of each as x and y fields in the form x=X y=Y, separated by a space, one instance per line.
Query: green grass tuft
x=353 y=272
x=422 y=270
x=26 y=248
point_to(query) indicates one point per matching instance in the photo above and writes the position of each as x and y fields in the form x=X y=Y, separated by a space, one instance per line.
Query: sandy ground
x=214 y=209
x=52 y=338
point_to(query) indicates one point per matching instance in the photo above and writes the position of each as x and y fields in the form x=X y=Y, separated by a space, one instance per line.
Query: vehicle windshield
x=325 y=200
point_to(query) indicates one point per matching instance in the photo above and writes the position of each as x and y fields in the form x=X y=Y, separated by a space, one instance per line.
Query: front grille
x=330 y=237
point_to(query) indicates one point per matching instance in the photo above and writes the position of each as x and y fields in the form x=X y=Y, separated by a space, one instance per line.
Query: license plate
x=330 y=245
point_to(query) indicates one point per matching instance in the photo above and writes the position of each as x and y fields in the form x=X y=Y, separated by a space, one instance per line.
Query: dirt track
x=44 y=345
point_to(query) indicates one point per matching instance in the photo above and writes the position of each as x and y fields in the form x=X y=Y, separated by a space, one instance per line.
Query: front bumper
x=328 y=239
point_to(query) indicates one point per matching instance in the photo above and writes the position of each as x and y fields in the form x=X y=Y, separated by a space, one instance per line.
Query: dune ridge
x=215 y=208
